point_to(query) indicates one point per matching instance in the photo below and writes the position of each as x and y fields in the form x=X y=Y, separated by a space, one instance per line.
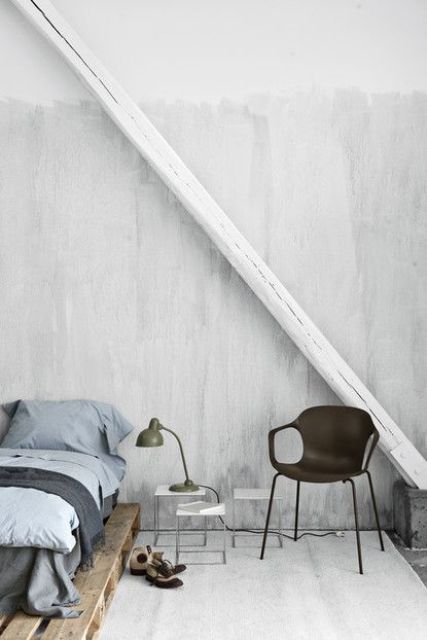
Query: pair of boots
x=157 y=570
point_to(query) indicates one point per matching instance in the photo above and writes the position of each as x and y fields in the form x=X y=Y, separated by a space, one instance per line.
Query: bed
x=59 y=479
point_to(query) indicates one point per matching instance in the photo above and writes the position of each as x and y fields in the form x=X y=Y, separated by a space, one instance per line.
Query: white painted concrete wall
x=204 y=51
x=110 y=291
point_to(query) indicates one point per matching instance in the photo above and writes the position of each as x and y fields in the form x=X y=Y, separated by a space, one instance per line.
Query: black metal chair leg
x=296 y=512
x=356 y=521
x=377 y=520
x=264 y=538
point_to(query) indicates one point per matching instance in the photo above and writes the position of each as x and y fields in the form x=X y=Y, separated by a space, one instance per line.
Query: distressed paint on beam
x=224 y=234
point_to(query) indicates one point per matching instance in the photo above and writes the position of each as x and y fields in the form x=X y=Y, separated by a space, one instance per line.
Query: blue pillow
x=94 y=428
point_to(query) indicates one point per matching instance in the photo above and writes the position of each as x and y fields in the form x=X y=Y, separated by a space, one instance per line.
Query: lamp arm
x=181 y=449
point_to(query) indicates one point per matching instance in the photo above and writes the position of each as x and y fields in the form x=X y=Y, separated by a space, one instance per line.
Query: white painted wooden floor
x=308 y=590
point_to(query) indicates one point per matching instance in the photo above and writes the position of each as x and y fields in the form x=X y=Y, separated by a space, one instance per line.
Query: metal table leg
x=233 y=534
x=156 y=520
x=177 y=540
x=225 y=542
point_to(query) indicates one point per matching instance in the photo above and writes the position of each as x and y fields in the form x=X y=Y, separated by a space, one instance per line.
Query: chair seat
x=308 y=472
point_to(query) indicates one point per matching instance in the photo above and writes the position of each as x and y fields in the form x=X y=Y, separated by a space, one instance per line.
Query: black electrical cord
x=272 y=531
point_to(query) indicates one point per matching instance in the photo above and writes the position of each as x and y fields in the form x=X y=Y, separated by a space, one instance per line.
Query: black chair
x=337 y=446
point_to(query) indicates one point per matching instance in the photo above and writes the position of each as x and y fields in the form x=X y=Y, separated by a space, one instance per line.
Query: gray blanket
x=91 y=530
x=89 y=470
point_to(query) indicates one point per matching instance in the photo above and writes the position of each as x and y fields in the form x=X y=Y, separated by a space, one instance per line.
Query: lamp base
x=183 y=487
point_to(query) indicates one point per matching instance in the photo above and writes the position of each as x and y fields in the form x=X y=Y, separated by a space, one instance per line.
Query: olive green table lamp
x=151 y=437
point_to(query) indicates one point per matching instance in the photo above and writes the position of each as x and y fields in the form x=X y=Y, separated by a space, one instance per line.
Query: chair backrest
x=337 y=435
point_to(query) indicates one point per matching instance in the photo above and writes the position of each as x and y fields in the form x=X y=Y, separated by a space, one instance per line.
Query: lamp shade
x=151 y=437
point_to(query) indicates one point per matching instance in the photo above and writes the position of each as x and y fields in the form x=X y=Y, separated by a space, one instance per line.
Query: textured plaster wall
x=110 y=291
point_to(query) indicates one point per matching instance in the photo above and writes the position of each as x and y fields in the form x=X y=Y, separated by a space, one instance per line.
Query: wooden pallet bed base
x=96 y=587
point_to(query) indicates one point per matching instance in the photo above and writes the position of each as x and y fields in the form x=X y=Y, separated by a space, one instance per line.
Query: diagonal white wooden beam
x=197 y=201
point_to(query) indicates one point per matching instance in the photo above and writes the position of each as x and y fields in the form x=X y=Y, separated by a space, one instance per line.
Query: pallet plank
x=96 y=587
x=22 y=627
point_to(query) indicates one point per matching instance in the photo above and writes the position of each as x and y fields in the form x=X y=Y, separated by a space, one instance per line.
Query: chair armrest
x=271 y=437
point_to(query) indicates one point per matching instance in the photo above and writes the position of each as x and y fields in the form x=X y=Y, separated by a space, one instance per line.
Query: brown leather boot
x=140 y=557
x=176 y=568
x=138 y=560
x=161 y=573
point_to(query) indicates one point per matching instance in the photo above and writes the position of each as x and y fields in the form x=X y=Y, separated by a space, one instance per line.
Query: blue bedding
x=83 y=426
x=94 y=473
x=33 y=518
x=38 y=549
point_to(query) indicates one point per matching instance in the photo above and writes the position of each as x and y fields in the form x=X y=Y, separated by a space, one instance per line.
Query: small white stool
x=205 y=510
x=255 y=494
